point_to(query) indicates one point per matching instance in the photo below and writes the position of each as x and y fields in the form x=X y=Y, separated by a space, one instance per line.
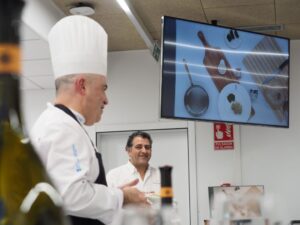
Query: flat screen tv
x=217 y=73
x=237 y=202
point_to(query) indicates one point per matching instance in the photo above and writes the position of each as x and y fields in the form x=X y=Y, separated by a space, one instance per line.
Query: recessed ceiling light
x=84 y=9
x=264 y=28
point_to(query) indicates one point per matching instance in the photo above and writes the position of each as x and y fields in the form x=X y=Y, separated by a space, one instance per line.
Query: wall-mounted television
x=236 y=202
x=216 y=73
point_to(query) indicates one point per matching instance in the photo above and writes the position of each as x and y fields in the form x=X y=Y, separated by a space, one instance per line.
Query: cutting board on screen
x=267 y=72
x=217 y=64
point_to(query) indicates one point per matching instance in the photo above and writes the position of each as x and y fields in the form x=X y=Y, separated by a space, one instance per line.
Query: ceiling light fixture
x=140 y=28
x=124 y=6
x=263 y=28
x=84 y=9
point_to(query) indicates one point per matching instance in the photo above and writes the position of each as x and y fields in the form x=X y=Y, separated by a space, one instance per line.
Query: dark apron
x=100 y=179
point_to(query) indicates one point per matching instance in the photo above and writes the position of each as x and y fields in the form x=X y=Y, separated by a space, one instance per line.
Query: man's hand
x=130 y=184
x=133 y=195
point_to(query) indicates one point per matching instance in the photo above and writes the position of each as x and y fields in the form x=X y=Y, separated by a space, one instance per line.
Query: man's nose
x=105 y=100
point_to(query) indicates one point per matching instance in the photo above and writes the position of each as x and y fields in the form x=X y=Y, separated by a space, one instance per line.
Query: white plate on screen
x=234 y=103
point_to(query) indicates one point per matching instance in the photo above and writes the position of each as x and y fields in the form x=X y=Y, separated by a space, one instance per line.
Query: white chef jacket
x=69 y=157
x=127 y=172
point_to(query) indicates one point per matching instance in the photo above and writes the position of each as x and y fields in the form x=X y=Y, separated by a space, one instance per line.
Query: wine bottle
x=27 y=195
x=166 y=191
x=169 y=210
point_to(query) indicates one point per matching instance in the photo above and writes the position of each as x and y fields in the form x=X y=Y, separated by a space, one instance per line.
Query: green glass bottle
x=27 y=196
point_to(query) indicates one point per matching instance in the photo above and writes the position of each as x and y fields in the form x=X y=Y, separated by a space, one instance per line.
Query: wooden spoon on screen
x=217 y=65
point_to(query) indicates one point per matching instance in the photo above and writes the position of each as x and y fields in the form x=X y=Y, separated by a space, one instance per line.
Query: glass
x=250 y=209
x=253 y=94
x=134 y=215
x=170 y=215
x=137 y=215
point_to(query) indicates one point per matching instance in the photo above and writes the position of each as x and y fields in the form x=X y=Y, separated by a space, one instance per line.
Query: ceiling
x=235 y=13
x=123 y=35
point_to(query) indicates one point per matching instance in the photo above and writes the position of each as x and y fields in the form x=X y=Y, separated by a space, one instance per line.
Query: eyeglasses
x=140 y=147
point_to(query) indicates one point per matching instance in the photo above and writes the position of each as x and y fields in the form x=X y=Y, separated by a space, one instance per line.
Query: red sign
x=223 y=136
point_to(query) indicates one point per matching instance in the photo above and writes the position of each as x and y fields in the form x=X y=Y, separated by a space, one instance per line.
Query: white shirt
x=127 y=172
x=69 y=157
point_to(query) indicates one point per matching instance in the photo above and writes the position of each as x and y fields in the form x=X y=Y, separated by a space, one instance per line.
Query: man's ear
x=80 y=85
x=127 y=149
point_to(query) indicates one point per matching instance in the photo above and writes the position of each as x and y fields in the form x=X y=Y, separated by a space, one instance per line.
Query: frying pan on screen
x=196 y=99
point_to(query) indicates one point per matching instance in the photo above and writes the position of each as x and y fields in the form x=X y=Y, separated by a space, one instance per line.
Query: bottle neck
x=10 y=15
x=10 y=57
x=10 y=101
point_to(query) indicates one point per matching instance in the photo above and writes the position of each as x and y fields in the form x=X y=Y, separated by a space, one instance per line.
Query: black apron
x=100 y=179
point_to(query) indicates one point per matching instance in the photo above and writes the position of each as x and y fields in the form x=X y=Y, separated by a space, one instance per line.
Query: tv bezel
x=216 y=120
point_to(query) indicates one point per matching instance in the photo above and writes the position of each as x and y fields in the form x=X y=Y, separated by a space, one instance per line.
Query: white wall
x=271 y=156
x=263 y=155
x=133 y=89
x=214 y=167
x=33 y=103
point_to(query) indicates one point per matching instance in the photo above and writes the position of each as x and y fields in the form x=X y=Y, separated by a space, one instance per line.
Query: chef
x=78 y=47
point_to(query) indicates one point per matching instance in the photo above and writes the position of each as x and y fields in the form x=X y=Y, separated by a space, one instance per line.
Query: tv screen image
x=237 y=202
x=216 y=73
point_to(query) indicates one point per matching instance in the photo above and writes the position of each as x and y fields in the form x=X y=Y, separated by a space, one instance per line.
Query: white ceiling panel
x=35 y=49
x=28 y=84
x=37 y=67
x=27 y=33
x=36 y=64
x=44 y=82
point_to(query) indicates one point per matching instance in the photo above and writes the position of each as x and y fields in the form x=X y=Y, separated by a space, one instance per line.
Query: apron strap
x=68 y=111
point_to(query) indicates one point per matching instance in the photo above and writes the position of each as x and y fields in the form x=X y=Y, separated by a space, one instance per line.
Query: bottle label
x=166 y=192
x=10 y=56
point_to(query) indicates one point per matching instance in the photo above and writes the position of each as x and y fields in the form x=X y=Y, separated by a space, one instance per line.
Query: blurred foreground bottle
x=169 y=210
x=26 y=193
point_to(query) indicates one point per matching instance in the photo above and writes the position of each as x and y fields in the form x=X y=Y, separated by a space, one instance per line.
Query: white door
x=170 y=147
